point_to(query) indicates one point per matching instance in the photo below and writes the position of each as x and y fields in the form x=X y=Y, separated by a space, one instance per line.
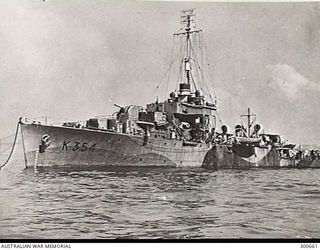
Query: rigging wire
x=201 y=49
x=167 y=73
x=209 y=72
x=207 y=59
x=171 y=54
x=171 y=60
x=197 y=73
x=182 y=52
x=196 y=49
x=193 y=81
x=202 y=75
x=195 y=63
x=203 y=78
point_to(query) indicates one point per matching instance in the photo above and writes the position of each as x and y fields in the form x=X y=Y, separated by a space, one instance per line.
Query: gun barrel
x=118 y=106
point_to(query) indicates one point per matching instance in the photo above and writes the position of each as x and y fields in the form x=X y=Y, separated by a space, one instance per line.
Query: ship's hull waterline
x=84 y=147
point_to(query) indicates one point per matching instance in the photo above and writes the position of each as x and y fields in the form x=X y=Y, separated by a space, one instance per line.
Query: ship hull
x=46 y=146
x=83 y=147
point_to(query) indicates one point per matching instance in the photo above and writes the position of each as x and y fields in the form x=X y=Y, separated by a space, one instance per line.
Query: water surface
x=158 y=203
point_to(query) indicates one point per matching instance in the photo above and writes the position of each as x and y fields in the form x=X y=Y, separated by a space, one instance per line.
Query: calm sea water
x=158 y=203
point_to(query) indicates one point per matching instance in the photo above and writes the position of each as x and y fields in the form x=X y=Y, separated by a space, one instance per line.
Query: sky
x=73 y=59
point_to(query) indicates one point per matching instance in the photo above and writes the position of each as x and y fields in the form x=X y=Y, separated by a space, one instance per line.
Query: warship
x=181 y=131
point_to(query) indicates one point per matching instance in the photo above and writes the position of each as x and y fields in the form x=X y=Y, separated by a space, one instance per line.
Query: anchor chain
x=12 y=147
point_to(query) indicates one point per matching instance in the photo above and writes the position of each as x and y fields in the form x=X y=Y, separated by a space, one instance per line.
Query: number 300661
x=309 y=246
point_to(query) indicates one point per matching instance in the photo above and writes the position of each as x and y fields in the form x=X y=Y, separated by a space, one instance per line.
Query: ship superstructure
x=186 y=115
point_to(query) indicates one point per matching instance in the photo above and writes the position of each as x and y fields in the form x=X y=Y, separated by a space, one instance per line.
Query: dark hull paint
x=83 y=147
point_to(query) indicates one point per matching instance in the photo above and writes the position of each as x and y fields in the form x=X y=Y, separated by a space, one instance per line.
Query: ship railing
x=34 y=120
x=42 y=120
x=64 y=122
x=49 y=121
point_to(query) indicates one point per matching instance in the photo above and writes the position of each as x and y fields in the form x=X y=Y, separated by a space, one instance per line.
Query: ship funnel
x=185 y=89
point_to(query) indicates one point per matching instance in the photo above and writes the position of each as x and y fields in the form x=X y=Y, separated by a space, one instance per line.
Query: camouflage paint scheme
x=84 y=147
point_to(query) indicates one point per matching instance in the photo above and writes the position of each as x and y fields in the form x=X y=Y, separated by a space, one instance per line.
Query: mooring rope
x=12 y=147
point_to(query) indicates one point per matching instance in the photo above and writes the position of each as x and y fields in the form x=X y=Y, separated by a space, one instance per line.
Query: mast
x=188 y=58
x=187 y=17
x=249 y=115
x=249 y=122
